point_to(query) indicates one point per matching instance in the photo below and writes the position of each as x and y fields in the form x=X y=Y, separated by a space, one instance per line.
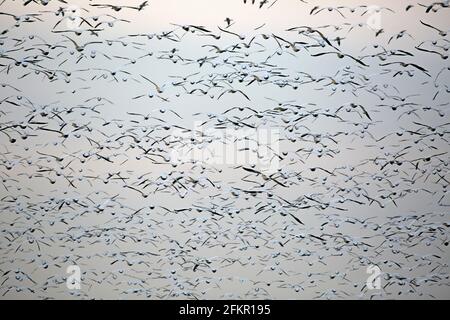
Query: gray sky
x=242 y=237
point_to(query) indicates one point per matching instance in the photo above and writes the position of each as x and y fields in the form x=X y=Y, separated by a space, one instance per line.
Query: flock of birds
x=87 y=122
